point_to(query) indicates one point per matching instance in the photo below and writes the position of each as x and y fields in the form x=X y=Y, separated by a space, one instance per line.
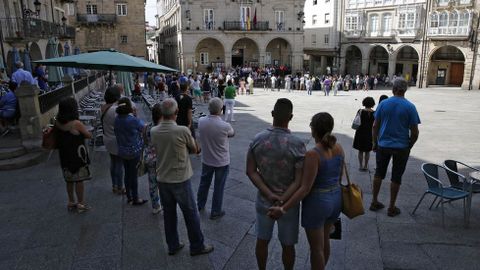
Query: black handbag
x=336 y=232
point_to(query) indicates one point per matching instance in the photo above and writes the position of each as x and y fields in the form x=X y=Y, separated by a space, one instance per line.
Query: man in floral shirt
x=274 y=164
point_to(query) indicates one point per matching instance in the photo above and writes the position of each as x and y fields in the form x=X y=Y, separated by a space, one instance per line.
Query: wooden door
x=456 y=73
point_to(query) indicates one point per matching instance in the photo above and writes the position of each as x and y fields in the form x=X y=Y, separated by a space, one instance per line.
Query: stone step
x=11 y=152
x=23 y=161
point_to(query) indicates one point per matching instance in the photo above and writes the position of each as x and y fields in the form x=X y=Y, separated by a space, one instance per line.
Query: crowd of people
x=287 y=176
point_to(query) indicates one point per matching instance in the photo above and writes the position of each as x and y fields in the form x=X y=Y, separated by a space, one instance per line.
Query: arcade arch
x=209 y=53
x=279 y=51
x=353 y=60
x=446 y=66
x=245 y=52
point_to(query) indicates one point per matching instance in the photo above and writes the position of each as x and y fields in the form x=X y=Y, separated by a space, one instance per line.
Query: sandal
x=138 y=202
x=393 y=212
x=82 y=208
x=71 y=207
x=375 y=206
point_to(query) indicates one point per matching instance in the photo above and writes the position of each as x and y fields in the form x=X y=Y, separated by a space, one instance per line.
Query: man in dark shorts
x=395 y=131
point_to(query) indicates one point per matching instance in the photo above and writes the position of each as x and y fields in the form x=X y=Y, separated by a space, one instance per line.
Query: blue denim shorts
x=287 y=224
x=321 y=207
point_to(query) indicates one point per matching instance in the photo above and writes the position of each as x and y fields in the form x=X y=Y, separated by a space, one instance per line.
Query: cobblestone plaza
x=38 y=233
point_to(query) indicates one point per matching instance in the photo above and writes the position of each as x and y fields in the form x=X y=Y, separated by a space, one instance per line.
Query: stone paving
x=36 y=232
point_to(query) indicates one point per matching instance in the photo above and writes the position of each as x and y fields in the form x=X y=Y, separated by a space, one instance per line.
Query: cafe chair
x=444 y=193
x=458 y=180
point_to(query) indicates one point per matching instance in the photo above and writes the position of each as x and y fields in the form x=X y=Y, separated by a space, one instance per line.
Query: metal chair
x=458 y=180
x=446 y=194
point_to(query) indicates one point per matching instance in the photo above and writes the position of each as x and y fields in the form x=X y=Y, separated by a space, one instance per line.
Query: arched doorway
x=35 y=52
x=209 y=53
x=378 y=61
x=279 y=52
x=446 y=66
x=353 y=61
x=407 y=64
x=245 y=52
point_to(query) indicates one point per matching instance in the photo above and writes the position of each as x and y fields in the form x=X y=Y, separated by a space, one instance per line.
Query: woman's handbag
x=357 y=121
x=352 y=201
x=336 y=232
x=83 y=172
x=141 y=167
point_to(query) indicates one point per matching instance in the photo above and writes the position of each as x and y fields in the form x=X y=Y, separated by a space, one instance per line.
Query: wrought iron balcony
x=244 y=26
x=21 y=29
x=97 y=18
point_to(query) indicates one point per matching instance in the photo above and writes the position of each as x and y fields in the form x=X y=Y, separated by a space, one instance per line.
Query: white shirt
x=214 y=133
x=109 y=138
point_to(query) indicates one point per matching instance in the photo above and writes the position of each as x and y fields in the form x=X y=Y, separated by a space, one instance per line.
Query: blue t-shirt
x=128 y=131
x=396 y=115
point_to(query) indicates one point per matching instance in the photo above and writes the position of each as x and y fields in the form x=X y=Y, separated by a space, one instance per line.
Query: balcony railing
x=353 y=33
x=19 y=28
x=452 y=31
x=381 y=3
x=244 y=26
x=97 y=18
x=455 y=3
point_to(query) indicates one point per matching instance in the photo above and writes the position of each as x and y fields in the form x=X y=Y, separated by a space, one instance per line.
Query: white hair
x=169 y=107
x=215 y=105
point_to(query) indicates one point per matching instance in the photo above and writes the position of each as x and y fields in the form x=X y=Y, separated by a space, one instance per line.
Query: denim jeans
x=172 y=194
x=131 y=177
x=229 y=104
x=116 y=171
x=221 y=174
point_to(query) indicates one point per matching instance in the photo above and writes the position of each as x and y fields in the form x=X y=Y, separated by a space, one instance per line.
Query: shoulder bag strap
x=346 y=173
x=105 y=112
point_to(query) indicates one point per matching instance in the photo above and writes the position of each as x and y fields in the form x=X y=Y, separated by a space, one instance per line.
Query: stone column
x=392 y=62
x=30 y=125
x=189 y=61
x=228 y=59
x=323 y=64
x=365 y=63
x=297 y=64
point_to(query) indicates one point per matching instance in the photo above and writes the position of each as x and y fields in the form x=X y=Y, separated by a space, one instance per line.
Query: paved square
x=36 y=231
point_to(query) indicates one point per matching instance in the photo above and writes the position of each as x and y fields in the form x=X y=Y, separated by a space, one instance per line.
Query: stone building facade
x=427 y=42
x=105 y=24
x=28 y=25
x=322 y=37
x=196 y=35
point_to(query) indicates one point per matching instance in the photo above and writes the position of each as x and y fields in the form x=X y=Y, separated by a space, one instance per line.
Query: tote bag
x=357 y=121
x=352 y=198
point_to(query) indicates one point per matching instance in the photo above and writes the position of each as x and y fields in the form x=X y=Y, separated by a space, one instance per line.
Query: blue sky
x=150 y=12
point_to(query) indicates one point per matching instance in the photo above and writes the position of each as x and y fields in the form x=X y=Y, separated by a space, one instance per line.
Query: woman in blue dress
x=319 y=190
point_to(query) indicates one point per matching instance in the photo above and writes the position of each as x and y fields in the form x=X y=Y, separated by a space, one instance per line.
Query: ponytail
x=328 y=141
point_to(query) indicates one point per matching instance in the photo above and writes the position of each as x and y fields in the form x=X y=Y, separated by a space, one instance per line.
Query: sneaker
x=205 y=250
x=217 y=215
x=175 y=251
x=156 y=210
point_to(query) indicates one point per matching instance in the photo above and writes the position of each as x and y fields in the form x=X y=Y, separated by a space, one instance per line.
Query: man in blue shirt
x=22 y=75
x=395 y=131
x=8 y=106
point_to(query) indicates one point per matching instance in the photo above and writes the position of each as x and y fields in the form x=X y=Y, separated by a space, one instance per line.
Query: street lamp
x=37 y=5
x=28 y=12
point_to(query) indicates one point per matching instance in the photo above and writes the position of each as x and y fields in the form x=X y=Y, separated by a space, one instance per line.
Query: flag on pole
x=248 y=23
x=255 y=18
